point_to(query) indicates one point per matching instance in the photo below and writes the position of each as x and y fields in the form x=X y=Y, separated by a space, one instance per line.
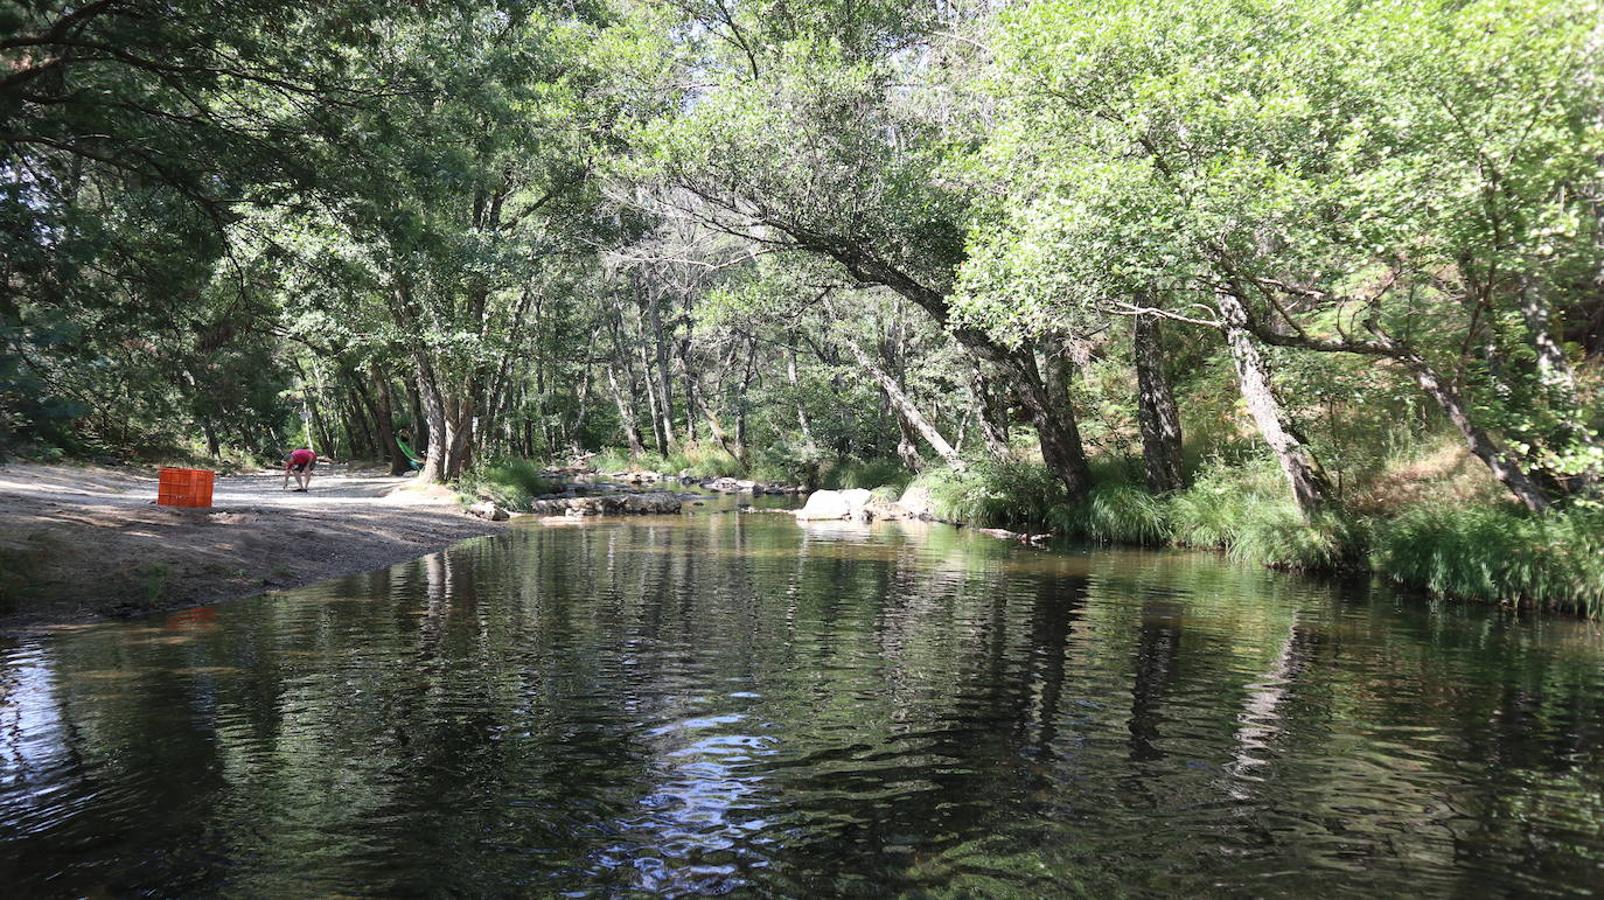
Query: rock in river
x=825 y=505
x=488 y=510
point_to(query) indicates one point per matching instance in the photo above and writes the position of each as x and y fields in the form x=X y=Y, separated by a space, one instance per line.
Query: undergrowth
x=510 y=483
x=1015 y=495
x=868 y=474
x=1497 y=553
x=785 y=463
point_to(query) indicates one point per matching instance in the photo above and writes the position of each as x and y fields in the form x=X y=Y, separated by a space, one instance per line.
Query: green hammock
x=411 y=456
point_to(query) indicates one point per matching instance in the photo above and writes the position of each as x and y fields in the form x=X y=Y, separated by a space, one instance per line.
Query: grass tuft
x=869 y=474
x=1499 y=554
x=1016 y=495
x=510 y=483
x=1115 y=514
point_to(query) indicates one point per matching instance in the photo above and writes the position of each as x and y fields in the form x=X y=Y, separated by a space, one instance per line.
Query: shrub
x=611 y=459
x=699 y=460
x=790 y=462
x=1498 y=553
x=703 y=461
x=1221 y=502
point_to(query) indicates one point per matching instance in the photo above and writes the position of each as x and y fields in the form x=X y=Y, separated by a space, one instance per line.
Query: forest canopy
x=1343 y=256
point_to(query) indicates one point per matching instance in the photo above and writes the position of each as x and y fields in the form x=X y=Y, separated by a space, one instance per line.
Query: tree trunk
x=659 y=368
x=434 y=422
x=1155 y=404
x=576 y=432
x=420 y=427
x=1059 y=433
x=658 y=434
x=626 y=413
x=905 y=408
x=992 y=404
x=682 y=357
x=743 y=449
x=359 y=415
x=213 y=446
x=460 y=411
x=1504 y=467
x=1553 y=369
x=1558 y=383
x=1311 y=490
x=907 y=447
x=791 y=378
x=399 y=465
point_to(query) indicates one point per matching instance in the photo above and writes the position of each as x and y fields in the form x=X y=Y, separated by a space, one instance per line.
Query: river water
x=736 y=703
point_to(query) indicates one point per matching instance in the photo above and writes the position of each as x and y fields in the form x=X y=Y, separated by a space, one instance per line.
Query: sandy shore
x=77 y=544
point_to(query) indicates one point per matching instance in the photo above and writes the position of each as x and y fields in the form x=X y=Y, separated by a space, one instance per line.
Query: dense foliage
x=1344 y=260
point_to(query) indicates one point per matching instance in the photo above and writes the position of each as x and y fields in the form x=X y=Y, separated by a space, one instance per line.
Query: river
x=723 y=702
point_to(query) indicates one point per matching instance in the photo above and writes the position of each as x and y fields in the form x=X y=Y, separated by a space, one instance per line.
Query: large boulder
x=652 y=503
x=488 y=510
x=827 y=505
x=917 y=502
x=884 y=509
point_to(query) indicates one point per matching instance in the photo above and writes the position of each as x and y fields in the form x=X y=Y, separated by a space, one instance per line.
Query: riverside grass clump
x=510 y=483
x=1115 y=513
x=869 y=474
x=696 y=460
x=1020 y=496
x=1500 y=554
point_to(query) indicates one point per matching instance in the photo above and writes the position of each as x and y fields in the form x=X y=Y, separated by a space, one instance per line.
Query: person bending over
x=300 y=463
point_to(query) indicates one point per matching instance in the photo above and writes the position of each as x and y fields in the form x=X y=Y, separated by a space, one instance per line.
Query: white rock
x=916 y=502
x=488 y=510
x=823 y=505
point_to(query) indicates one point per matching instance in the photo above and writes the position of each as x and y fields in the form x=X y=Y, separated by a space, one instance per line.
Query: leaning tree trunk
x=1504 y=466
x=905 y=407
x=1155 y=406
x=1311 y=490
x=907 y=447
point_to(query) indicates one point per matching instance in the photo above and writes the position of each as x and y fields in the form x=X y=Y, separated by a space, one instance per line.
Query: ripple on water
x=738 y=704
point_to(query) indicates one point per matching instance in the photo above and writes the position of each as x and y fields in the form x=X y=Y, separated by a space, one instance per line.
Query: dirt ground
x=78 y=544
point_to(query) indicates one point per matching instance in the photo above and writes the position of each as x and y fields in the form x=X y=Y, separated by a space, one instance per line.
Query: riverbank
x=78 y=544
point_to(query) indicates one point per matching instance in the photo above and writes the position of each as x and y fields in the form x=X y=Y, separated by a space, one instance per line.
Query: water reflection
x=729 y=702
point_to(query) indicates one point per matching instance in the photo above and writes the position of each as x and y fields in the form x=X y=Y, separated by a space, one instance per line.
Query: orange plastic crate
x=185 y=487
